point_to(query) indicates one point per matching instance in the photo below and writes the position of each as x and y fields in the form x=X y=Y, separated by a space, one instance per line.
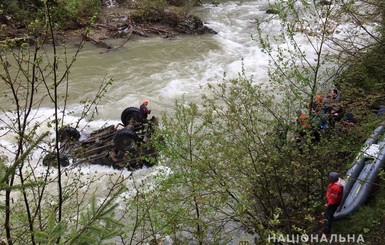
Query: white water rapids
x=162 y=70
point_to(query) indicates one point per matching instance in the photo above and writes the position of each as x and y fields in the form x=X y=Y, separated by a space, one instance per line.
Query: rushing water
x=163 y=70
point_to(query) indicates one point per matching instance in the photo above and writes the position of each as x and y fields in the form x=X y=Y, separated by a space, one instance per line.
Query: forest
x=235 y=164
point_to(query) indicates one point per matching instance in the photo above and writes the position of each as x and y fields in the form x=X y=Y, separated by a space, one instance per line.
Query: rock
x=272 y=11
x=193 y=25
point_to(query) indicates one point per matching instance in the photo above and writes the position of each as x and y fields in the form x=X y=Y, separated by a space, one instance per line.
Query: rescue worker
x=144 y=111
x=302 y=120
x=336 y=95
x=334 y=195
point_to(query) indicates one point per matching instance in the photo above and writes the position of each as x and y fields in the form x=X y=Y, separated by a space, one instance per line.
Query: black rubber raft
x=361 y=176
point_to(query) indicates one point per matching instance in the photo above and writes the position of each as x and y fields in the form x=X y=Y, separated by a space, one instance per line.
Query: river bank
x=118 y=21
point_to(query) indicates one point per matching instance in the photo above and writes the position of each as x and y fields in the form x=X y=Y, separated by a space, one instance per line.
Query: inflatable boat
x=361 y=176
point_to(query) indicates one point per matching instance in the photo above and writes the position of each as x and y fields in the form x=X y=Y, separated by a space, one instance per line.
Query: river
x=164 y=70
x=160 y=70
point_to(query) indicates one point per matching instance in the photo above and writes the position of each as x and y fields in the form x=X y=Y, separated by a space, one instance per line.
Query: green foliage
x=20 y=13
x=152 y=10
x=3 y=177
x=242 y=149
x=74 y=13
x=152 y=6
x=155 y=10
x=82 y=9
x=367 y=72
x=64 y=14
x=54 y=231
x=363 y=84
x=97 y=223
x=225 y=160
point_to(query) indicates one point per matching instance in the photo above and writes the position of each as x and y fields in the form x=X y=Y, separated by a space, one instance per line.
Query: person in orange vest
x=303 y=119
x=317 y=104
x=334 y=195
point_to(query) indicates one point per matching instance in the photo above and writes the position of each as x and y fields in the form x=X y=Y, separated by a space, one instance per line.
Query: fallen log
x=128 y=37
x=123 y=43
x=98 y=43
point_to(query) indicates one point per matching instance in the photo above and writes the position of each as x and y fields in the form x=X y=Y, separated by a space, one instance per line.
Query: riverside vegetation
x=121 y=20
x=231 y=167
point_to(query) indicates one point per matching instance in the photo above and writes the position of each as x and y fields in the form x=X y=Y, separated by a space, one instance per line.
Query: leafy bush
x=21 y=15
x=82 y=8
x=64 y=13
x=69 y=12
x=368 y=71
x=151 y=10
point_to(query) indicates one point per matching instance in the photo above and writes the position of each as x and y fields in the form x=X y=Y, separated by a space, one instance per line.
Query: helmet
x=333 y=176
x=145 y=101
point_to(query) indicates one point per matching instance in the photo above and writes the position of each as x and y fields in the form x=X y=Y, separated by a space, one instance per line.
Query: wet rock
x=272 y=11
x=194 y=25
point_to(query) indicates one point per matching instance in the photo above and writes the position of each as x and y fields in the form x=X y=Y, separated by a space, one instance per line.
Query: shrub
x=76 y=11
x=151 y=10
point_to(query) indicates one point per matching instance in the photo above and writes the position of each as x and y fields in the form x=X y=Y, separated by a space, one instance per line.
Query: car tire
x=125 y=140
x=130 y=114
x=68 y=133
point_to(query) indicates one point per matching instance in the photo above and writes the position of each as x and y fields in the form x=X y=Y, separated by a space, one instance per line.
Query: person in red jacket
x=144 y=111
x=334 y=195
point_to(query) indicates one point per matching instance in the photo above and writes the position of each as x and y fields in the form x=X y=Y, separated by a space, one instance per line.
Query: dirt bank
x=123 y=21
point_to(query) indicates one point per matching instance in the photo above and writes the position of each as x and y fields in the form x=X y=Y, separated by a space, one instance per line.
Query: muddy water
x=164 y=70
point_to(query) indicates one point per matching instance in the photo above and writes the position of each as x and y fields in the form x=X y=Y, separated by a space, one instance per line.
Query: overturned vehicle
x=125 y=145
